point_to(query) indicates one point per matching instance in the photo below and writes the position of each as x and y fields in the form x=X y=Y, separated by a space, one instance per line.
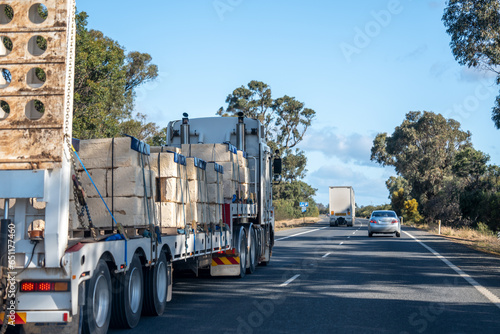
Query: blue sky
x=361 y=65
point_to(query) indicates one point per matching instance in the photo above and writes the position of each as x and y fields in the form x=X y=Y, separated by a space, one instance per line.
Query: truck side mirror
x=278 y=166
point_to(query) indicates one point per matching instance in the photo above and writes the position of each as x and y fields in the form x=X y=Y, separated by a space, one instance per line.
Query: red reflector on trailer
x=44 y=286
x=27 y=286
x=65 y=317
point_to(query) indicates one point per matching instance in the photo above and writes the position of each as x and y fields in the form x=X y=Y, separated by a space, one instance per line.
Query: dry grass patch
x=293 y=223
x=485 y=241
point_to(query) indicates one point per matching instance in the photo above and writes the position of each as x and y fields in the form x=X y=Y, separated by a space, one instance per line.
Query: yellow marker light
x=61 y=286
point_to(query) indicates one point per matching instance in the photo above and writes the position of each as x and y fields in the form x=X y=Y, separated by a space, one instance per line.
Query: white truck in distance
x=342 y=206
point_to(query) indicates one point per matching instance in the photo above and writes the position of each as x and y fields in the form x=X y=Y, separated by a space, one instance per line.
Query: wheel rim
x=161 y=282
x=243 y=254
x=134 y=290
x=252 y=250
x=101 y=297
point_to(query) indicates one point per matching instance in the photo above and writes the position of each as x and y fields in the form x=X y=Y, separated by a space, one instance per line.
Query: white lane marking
x=354 y=232
x=485 y=292
x=290 y=236
x=341 y=243
x=290 y=280
x=326 y=254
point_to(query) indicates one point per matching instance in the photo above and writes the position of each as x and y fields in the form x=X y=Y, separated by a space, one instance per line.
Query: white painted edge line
x=326 y=254
x=290 y=280
x=294 y=235
x=485 y=292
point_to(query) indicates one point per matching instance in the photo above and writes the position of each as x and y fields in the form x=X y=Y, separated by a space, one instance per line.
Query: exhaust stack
x=240 y=132
x=185 y=129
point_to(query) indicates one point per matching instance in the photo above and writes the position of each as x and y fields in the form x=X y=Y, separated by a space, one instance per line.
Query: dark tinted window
x=384 y=214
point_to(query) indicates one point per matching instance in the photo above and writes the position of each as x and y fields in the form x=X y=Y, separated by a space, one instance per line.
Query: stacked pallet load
x=171 y=188
x=197 y=192
x=119 y=172
x=234 y=164
x=215 y=190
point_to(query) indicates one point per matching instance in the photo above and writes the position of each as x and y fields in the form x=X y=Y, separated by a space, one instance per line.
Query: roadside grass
x=481 y=239
x=293 y=223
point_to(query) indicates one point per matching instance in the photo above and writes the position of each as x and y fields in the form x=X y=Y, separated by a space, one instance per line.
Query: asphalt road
x=325 y=279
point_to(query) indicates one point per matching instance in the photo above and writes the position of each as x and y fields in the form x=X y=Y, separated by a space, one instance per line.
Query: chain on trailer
x=78 y=192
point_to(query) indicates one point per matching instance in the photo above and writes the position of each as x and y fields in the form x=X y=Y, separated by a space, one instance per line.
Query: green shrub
x=285 y=209
x=484 y=229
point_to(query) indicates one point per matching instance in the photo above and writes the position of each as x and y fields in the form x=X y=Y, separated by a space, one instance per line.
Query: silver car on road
x=384 y=221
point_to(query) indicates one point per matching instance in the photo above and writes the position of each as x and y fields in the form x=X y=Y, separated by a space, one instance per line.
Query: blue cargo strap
x=86 y=171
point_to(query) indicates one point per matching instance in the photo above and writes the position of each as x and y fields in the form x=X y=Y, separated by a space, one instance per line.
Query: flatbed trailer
x=91 y=278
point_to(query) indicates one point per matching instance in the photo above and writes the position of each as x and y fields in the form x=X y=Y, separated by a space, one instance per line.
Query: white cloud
x=348 y=148
x=368 y=182
x=475 y=75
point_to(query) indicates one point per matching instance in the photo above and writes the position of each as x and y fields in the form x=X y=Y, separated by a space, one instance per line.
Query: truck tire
x=271 y=243
x=97 y=308
x=128 y=296
x=252 y=253
x=155 y=287
x=243 y=253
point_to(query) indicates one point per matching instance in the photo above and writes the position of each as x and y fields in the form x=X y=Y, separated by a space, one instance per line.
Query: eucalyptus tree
x=422 y=150
x=474 y=27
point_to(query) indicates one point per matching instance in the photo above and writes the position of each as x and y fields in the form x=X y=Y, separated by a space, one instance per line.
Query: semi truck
x=92 y=230
x=342 y=206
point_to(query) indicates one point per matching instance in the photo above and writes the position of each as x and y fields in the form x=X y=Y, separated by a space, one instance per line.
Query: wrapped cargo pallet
x=215 y=177
x=197 y=208
x=235 y=164
x=172 y=189
x=118 y=171
x=211 y=152
x=158 y=149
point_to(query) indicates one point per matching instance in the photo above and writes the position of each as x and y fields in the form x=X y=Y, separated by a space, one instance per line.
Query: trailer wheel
x=128 y=296
x=243 y=253
x=97 y=308
x=252 y=254
x=155 y=287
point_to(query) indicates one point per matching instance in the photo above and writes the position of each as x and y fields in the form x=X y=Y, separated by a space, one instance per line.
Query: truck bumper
x=22 y=318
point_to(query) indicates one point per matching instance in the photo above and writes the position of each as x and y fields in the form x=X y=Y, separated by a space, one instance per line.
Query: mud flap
x=225 y=266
